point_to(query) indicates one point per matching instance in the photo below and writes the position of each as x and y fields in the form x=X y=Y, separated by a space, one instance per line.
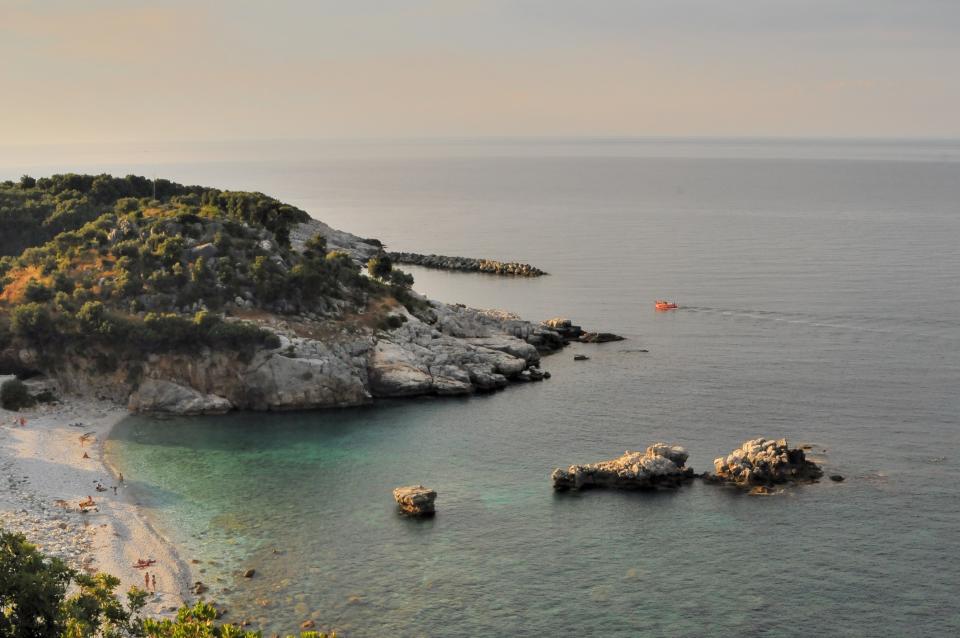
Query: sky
x=214 y=70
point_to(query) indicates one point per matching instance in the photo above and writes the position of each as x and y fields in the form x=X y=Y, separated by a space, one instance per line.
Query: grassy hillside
x=160 y=266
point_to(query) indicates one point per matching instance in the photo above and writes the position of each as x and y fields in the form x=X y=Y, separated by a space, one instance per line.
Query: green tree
x=32 y=587
x=95 y=610
x=33 y=321
x=36 y=291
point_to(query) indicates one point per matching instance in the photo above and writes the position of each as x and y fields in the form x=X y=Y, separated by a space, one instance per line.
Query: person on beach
x=146 y=580
x=153 y=580
x=121 y=478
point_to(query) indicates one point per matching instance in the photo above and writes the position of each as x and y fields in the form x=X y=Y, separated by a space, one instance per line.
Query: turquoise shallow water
x=820 y=300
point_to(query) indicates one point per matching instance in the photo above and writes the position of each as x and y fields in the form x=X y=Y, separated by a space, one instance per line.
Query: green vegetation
x=34 y=603
x=152 y=266
x=15 y=395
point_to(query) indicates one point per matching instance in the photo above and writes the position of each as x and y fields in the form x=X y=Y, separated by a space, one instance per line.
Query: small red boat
x=660 y=304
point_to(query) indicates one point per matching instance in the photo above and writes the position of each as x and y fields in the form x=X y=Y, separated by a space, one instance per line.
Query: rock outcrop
x=564 y=327
x=661 y=465
x=157 y=395
x=765 y=462
x=415 y=500
x=467 y=264
x=452 y=350
x=571 y=332
x=357 y=247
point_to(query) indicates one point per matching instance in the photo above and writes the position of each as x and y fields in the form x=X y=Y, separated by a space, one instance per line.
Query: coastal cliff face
x=462 y=351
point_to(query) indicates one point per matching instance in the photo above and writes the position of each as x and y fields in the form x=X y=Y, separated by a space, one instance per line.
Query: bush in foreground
x=15 y=395
x=34 y=604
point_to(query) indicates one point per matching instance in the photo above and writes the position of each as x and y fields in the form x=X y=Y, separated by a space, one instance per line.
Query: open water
x=820 y=293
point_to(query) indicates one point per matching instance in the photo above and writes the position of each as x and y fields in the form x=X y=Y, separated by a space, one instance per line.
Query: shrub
x=33 y=321
x=15 y=395
x=399 y=278
x=36 y=291
x=32 y=587
x=379 y=266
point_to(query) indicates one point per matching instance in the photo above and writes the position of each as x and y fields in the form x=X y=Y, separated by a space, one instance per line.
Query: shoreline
x=48 y=475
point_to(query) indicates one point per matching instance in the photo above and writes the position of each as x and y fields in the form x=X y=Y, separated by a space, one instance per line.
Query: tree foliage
x=32 y=588
x=34 y=603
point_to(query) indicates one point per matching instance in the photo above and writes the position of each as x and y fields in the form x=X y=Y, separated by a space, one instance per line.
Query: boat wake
x=880 y=325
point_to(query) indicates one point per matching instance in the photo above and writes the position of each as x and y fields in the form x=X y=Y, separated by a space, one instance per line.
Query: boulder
x=765 y=462
x=157 y=395
x=415 y=500
x=395 y=372
x=661 y=465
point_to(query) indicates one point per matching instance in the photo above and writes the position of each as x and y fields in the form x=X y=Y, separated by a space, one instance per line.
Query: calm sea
x=820 y=286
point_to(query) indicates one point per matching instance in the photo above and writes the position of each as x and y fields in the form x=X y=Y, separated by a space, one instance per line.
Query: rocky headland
x=203 y=301
x=467 y=264
x=446 y=350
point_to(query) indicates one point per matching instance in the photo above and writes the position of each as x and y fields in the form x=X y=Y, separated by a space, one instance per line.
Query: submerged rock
x=415 y=500
x=600 y=337
x=661 y=465
x=765 y=462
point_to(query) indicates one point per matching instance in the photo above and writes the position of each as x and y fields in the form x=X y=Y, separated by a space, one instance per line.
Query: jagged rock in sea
x=765 y=462
x=467 y=264
x=415 y=500
x=599 y=337
x=564 y=327
x=571 y=332
x=661 y=465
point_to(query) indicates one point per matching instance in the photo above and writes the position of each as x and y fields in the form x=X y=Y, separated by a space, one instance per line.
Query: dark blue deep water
x=820 y=285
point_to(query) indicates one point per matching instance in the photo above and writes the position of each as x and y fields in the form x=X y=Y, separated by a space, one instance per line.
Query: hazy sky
x=129 y=70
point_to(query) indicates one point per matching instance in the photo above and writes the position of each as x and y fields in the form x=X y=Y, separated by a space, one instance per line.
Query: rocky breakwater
x=761 y=462
x=415 y=500
x=467 y=264
x=661 y=465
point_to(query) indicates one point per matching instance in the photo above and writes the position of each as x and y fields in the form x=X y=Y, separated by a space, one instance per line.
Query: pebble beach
x=55 y=461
